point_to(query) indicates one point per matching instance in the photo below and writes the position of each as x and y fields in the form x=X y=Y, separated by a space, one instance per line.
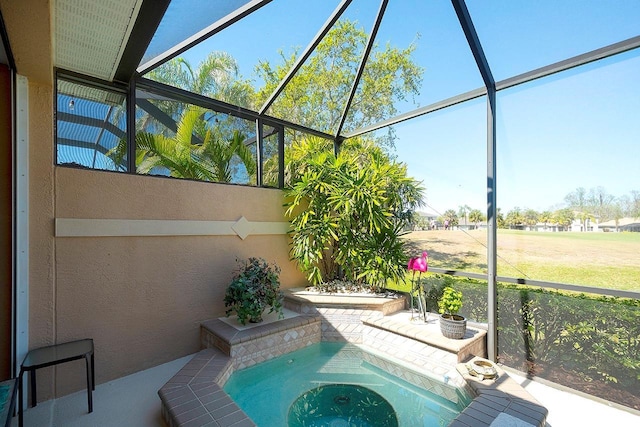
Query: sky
x=580 y=128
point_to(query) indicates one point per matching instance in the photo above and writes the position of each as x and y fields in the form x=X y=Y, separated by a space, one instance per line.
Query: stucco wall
x=142 y=298
x=28 y=26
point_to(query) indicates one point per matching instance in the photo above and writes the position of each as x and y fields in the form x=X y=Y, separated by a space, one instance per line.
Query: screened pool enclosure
x=516 y=116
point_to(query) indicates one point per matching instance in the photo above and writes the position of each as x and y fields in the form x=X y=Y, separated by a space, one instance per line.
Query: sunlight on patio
x=133 y=401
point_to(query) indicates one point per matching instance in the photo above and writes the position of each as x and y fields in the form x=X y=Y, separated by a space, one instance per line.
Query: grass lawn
x=605 y=260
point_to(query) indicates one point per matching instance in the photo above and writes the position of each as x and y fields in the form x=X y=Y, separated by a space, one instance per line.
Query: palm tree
x=530 y=217
x=514 y=218
x=476 y=216
x=450 y=216
x=462 y=212
x=217 y=76
x=156 y=153
x=220 y=153
x=194 y=152
x=546 y=217
x=585 y=218
x=563 y=217
x=500 y=221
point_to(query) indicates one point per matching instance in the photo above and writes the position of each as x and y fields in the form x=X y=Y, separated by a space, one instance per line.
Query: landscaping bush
x=347 y=213
x=589 y=343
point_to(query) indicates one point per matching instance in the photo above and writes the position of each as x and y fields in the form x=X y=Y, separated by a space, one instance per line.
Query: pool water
x=272 y=391
x=341 y=405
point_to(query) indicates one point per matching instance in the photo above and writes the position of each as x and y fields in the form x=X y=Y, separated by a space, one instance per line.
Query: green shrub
x=254 y=287
x=450 y=302
x=347 y=213
x=573 y=339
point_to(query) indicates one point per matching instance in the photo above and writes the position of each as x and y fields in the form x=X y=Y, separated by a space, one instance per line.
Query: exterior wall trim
x=79 y=227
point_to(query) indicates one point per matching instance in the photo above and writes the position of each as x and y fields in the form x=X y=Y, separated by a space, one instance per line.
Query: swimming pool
x=266 y=392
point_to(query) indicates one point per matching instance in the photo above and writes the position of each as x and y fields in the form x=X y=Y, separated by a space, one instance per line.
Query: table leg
x=93 y=371
x=89 y=384
x=34 y=398
x=20 y=402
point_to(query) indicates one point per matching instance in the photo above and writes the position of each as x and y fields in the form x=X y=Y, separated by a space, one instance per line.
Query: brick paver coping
x=473 y=343
x=499 y=402
x=194 y=396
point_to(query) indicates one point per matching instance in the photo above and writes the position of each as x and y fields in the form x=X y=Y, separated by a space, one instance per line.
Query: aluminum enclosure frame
x=490 y=89
x=492 y=248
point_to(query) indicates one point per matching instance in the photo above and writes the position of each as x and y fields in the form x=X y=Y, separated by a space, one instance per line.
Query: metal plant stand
x=420 y=265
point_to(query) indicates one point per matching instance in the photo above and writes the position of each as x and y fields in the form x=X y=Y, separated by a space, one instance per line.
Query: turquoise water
x=267 y=391
x=341 y=405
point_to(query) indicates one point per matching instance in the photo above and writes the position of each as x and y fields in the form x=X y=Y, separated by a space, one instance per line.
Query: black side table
x=54 y=355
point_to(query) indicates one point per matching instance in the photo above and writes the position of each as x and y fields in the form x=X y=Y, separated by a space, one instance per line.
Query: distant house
x=576 y=226
x=622 y=224
x=549 y=227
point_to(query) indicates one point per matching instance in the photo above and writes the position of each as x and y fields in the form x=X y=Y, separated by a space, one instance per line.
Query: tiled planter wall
x=251 y=346
x=340 y=323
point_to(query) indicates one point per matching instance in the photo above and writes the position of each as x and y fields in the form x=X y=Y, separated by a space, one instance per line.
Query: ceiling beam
x=182 y=95
x=92 y=122
x=576 y=61
x=149 y=17
x=81 y=144
x=474 y=42
x=363 y=64
x=458 y=99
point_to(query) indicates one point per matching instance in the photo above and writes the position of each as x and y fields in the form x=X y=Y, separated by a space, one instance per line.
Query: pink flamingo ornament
x=420 y=265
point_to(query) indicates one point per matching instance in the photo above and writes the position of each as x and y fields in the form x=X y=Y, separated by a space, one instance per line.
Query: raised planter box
x=255 y=343
x=342 y=315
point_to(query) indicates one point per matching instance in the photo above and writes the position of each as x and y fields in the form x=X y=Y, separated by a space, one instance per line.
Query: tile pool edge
x=194 y=396
x=500 y=401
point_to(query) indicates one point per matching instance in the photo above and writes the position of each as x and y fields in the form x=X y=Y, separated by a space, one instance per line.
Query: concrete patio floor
x=132 y=401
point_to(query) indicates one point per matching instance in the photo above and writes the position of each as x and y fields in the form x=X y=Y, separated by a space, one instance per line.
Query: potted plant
x=452 y=325
x=254 y=287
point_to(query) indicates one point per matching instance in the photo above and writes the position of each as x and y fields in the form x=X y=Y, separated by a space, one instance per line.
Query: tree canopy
x=217 y=76
x=317 y=95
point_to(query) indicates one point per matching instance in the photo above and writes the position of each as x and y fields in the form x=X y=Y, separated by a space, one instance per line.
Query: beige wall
x=140 y=298
x=28 y=27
